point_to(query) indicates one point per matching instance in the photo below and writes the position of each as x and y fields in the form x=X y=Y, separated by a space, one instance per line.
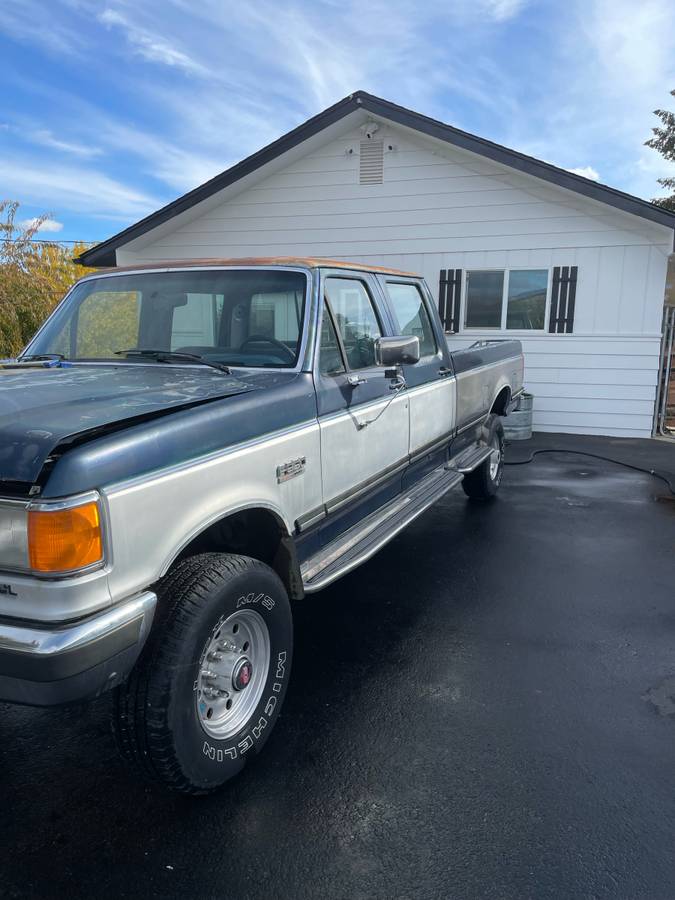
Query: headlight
x=64 y=537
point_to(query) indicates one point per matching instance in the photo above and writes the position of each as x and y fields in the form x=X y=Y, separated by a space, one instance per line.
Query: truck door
x=431 y=385
x=364 y=424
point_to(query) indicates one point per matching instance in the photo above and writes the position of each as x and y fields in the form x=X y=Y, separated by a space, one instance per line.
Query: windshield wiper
x=173 y=356
x=36 y=357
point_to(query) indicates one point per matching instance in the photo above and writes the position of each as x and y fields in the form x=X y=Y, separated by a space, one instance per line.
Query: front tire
x=483 y=483
x=210 y=683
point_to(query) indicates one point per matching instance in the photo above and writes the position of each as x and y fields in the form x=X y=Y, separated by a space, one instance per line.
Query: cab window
x=411 y=315
x=355 y=319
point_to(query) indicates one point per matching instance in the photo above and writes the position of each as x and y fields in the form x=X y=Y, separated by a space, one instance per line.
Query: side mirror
x=401 y=350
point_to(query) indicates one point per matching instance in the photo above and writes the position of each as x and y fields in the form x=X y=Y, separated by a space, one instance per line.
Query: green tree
x=664 y=142
x=34 y=276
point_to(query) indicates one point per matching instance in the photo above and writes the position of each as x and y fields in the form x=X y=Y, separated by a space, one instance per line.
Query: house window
x=484 y=299
x=510 y=300
x=526 y=304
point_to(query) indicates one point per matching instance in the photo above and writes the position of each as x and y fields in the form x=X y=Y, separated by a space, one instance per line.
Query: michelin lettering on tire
x=226 y=635
x=217 y=754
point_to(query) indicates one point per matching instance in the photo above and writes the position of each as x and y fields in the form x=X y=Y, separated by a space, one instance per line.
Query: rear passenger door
x=364 y=424
x=431 y=386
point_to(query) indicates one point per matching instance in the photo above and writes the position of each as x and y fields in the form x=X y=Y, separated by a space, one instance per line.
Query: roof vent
x=371 y=167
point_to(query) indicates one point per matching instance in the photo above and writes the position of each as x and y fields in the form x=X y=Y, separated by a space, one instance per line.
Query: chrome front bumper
x=46 y=666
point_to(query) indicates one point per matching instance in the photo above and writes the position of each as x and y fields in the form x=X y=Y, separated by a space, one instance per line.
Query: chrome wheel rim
x=233 y=670
x=495 y=457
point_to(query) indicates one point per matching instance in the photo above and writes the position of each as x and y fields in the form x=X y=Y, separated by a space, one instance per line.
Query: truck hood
x=42 y=408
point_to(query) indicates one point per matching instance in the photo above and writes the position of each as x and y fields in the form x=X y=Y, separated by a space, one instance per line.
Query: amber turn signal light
x=64 y=540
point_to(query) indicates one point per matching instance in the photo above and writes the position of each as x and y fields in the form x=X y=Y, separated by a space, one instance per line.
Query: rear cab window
x=411 y=316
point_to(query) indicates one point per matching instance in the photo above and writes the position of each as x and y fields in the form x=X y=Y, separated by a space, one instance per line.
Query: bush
x=34 y=276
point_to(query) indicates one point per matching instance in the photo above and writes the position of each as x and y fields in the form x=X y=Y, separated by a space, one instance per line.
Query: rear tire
x=483 y=483
x=210 y=683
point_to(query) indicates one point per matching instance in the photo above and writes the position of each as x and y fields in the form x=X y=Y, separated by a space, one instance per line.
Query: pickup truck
x=185 y=449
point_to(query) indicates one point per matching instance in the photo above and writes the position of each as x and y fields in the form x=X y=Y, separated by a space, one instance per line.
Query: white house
x=511 y=245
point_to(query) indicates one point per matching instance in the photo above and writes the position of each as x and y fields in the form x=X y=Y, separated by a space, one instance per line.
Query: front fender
x=153 y=519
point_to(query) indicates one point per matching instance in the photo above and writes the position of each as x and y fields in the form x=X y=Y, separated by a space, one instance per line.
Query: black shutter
x=563 y=295
x=449 y=293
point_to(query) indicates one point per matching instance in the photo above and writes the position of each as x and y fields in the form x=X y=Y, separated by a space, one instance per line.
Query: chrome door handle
x=444 y=371
x=355 y=380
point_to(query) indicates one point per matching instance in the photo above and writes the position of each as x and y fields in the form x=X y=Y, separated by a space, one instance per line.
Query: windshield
x=250 y=317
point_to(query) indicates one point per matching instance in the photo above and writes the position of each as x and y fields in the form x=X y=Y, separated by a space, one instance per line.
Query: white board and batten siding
x=443 y=208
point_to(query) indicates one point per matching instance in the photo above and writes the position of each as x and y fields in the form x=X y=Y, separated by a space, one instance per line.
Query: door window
x=355 y=319
x=411 y=315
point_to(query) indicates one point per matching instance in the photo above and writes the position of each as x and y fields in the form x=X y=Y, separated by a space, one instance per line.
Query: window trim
x=501 y=328
x=331 y=312
x=425 y=303
x=325 y=305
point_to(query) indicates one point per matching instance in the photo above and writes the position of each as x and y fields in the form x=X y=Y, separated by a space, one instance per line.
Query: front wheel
x=483 y=483
x=210 y=683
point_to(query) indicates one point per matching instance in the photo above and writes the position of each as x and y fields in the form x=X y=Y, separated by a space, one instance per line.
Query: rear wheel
x=483 y=483
x=210 y=683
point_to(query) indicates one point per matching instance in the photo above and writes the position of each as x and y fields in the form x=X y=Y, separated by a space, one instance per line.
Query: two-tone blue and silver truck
x=186 y=448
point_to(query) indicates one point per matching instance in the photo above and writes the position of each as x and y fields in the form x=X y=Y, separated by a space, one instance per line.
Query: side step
x=364 y=539
x=471 y=458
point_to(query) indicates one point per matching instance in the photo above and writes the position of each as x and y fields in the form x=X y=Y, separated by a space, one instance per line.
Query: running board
x=471 y=458
x=363 y=540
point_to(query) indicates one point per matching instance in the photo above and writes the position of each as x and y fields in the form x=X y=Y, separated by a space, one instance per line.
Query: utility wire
x=40 y=241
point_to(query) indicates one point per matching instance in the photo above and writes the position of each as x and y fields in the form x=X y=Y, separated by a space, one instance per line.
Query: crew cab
x=185 y=449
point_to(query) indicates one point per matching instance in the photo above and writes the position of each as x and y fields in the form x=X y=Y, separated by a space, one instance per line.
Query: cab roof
x=305 y=262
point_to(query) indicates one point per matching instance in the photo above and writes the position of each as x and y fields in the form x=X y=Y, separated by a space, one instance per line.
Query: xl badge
x=7 y=590
x=289 y=470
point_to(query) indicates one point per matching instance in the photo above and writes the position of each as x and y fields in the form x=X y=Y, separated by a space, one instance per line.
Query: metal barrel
x=518 y=426
x=525 y=401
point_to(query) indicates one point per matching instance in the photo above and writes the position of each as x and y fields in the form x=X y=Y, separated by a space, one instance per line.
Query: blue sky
x=111 y=109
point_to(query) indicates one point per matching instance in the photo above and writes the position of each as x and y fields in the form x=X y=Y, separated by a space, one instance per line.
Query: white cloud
x=72 y=188
x=48 y=139
x=50 y=225
x=35 y=22
x=621 y=58
x=502 y=10
x=150 y=46
x=586 y=172
x=227 y=78
x=179 y=168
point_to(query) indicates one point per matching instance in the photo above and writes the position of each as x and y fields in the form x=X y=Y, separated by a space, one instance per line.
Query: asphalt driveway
x=486 y=709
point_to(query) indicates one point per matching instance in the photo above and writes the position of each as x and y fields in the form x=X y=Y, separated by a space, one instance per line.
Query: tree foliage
x=34 y=276
x=664 y=142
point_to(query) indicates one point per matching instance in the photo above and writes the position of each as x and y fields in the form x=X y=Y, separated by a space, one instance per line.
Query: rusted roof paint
x=307 y=262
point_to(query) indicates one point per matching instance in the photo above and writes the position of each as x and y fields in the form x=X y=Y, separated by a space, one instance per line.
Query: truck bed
x=479 y=369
